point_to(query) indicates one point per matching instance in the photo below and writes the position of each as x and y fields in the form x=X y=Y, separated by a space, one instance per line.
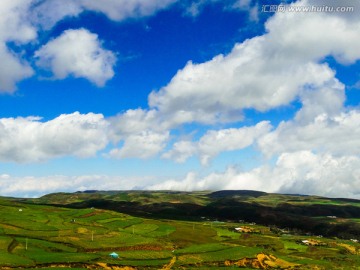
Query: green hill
x=178 y=230
x=306 y=214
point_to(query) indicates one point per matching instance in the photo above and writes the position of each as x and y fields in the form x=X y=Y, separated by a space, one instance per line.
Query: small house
x=114 y=255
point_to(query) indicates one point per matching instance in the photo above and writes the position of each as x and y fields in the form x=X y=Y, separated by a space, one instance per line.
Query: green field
x=34 y=236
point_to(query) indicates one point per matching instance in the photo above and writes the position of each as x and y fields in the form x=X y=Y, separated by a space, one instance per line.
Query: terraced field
x=48 y=237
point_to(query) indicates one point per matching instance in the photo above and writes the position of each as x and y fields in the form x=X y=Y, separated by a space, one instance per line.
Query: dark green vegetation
x=178 y=230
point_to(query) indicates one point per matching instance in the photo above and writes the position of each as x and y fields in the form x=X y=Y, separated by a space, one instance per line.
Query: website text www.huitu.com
x=295 y=8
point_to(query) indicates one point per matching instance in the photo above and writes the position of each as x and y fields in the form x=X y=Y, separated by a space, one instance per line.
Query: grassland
x=34 y=235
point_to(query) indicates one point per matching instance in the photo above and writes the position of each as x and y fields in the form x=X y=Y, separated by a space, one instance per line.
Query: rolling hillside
x=178 y=230
x=306 y=214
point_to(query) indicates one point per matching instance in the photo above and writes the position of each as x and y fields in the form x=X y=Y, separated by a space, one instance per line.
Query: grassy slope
x=79 y=238
x=308 y=214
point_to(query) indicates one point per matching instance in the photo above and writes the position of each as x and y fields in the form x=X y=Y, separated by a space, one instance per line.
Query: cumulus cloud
x=213 y=142
x=30 y=140
x=338 y=134
x=78 y=53
x=263 y=72
x=322 y=124
x=22 y=20
x=143 y=133
x=328 y=99
x=143 y=145
x=14 y=27
x=134 y=122
x=322 y=174
x=247 y=77
x=12 y=70
x=14 y=21
x=181 y=151
x=300 y=172
x=339 y=36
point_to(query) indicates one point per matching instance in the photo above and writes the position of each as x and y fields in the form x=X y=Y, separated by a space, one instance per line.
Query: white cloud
x=134 y=122
x=181 y=151
x=142 y=145
x=321 y=174
x=38 y=186
x=122 y=9
x=338 y=134
x=322 y=125
x=352 y=15
x=12 y=70
x=143 y=132
x=21 y=20
x=339 y=35
x=30 y=140
x=301 y=172
x=83 y=135
x=328 y=99
x=14 y=27
x=216 y=141
x=78 y=53
x=246 y=78
x=14 y=21
x=264 y=72
x=230 y=179
x=49 y=12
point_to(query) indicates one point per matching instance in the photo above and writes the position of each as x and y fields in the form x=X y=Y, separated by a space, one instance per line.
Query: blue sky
x=182 y=95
